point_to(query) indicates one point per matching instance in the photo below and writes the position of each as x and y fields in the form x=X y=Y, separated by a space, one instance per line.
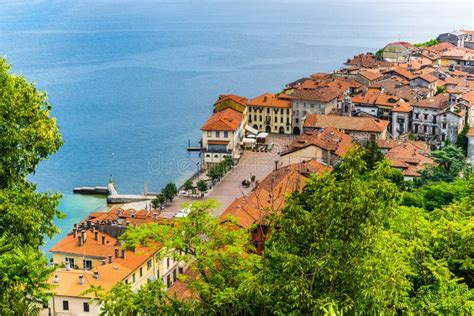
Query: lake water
x=132 y=81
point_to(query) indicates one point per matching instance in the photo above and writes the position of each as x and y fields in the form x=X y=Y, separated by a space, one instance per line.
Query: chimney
x=75 y=225
x=123 y=253
x=276 y=164
x=93 y=228
x=74 y=232
x=80 y=240
x=56 y=279
x=110 y=259
x=81 y=279
x=96 y=274
x=104 y=262
x=103 y=240
x=96 y=235
x=116 y=252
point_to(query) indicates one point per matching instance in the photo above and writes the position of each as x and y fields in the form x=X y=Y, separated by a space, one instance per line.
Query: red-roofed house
x=270 y=113
x=221 y=136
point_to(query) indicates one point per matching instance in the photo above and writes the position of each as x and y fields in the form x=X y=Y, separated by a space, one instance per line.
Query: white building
x=221 y=136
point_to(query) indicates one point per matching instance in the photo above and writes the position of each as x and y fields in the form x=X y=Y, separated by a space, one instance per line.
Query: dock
x=91 y=190
x=191 y=148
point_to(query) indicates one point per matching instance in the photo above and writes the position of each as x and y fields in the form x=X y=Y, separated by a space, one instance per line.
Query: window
x=276 y=119
x=87 y=264
x=255 y=117
x=209 y=134
x=168 y=281
x=148 y=265
x=281 y=119
x=218 y=134
x=65 y=305
x=141 y=272
x=167 y=262
x=157 y=273
x=133 y=278
x=180 y=270
x=426 y=116
x=226 y=134
x=444 y=125
x=71 y=262
x=85 y=306
x=174 y=275
x=126 y=281
x=417 y=115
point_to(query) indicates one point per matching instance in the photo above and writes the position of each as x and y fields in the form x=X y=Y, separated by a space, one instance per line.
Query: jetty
x=91 y=190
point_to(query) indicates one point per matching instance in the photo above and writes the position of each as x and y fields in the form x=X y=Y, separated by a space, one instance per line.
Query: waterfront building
x=88 y=257
x=456 y=38
x=222 y=134
x=362 y=129
x=270 y=113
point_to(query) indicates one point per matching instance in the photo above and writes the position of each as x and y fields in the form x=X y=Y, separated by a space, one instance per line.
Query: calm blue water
x=132 y=81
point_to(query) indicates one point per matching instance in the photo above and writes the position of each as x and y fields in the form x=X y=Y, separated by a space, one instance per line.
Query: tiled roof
x=371 y=74
x=269 y=100
x=226 y=120
x=361 y=124
x=391 y=143
x=320 y=94
x=410 y=158
x=329 y=139
x=439 y=101
x=270 y=194
x=236 y=98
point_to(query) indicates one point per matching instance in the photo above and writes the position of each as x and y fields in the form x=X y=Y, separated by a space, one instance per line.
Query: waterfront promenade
x=230 y=187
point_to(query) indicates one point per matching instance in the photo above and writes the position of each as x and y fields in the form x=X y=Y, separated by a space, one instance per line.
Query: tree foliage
x=350 y=242
x=169 y=191
x=28 y=135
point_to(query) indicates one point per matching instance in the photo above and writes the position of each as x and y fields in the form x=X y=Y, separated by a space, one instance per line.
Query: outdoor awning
x=251 y=130
x=248 y=140
x=262 y=135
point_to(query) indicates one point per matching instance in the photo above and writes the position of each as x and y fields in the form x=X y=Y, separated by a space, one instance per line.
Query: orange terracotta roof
x=391 y=143
x=329 y=139
x=370 y=97
x=236 y=98
x=362 y=124
x=226 y=120
x=427 y=77
x=218 y=142
x=469 y=97
x=269 y=100
x=270 y=194
x=402 y=107
x=403 y=72
x=371 y=74
x=439 y=101
x=320 y=94
x=410 y=158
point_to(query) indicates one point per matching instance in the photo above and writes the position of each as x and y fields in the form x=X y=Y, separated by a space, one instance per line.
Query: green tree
x=188 y=185
x=170 y=191
x=201 y=185
x=450 y=162
x=28 y=135
x=223 y=272
x=372 y=154
x=329 y=250
x=159 y=201
x=215 y=173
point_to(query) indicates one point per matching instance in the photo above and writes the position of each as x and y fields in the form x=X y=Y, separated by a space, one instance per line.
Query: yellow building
x=94 y=258
x=270 y=113
x=230 y=101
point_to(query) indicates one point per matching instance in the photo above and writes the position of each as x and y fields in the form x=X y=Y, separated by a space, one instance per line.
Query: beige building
x=326 y=146
x=362 y=129
x=88 y=257
x=270 y=113
x=396 y=52
x=221 y=136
